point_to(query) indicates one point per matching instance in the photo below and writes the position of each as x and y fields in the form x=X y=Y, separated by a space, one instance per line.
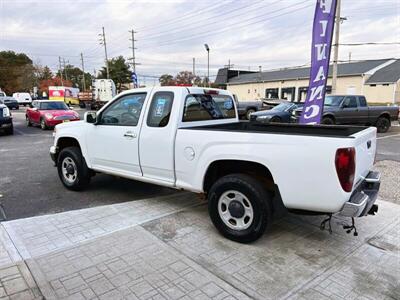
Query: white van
x=23 y=98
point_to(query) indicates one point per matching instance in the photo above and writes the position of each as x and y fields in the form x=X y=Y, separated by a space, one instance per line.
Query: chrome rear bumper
x=364 y=197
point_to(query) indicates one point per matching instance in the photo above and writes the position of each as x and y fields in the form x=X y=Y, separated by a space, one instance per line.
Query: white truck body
x=23 y=98
x=179 y=155
x=103 y=90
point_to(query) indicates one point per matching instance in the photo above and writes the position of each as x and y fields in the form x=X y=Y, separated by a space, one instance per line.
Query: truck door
x=363 y=112
x=157 y=138
x=348 y=113
x=113 y=142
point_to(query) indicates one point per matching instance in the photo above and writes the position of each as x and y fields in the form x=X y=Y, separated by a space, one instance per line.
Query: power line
x=370 y=43
x=235 y=27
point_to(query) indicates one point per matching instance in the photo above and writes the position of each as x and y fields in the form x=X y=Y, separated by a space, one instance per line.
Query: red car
x=49 y=113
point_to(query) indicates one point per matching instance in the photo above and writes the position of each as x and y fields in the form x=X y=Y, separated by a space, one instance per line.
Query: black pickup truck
x=353 y=109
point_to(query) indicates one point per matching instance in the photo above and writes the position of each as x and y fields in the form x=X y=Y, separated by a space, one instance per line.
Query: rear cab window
x=205 y=107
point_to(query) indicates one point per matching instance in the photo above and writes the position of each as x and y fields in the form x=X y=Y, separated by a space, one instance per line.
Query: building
x=378 y=80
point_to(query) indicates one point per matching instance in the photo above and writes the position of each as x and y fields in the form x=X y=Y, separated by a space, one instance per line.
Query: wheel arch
x=66 y=141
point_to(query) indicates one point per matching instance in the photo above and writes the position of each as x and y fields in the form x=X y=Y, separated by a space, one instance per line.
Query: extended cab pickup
x=353 y=109
x=191 y=139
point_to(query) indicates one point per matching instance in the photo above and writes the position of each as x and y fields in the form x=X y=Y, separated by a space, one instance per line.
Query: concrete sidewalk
x=167 y=248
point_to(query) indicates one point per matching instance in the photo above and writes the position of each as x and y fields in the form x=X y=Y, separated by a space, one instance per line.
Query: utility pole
x=194 y=67
x=133 y=50
x=336 y=48
x=59 y=61
x=65 y=69
x=83 y=73
x=103 y=42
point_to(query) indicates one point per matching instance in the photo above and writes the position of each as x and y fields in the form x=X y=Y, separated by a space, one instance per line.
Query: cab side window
x=125 y=111
x=160 y=109
x=362 y=101
x=350 y=102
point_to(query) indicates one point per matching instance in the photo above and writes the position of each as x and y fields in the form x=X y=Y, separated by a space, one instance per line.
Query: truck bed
x=292 y=129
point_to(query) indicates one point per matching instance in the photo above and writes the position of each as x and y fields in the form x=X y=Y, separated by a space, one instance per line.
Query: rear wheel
x=383 y=124
x=43 y=124
x=249 y=112
x=239 y=207
x=328 y=121
x=72 y=169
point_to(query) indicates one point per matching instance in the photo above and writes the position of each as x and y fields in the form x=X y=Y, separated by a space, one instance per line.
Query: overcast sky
x=270 y=33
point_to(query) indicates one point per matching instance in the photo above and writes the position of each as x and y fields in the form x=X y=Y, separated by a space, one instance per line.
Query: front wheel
x=239 y=207
x=328 y=121
x=72 y=169
x=383 y=125
x=43 y=124
x=28 y=122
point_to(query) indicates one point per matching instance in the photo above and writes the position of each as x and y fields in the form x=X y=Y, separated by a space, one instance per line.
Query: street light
x=208 y=63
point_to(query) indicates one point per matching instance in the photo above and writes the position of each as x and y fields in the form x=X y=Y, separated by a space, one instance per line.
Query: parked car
x=190 y=138
x=281 y=113
x=6 y=120
x=353 y=109
x=23 y=98
x=10 y=102
x=246 y=108
x=48 y=114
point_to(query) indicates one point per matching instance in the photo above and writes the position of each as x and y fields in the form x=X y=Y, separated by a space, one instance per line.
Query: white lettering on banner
x=321 y=51
x=324 y=24
x=326 y=6
x=311 y=111
x=316 y=91
x=320 y=75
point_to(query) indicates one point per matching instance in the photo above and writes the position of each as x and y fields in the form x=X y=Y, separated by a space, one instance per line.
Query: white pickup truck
x=190 y=138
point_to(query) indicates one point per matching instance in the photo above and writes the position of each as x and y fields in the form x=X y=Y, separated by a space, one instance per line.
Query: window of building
x=288 y=93
x=160 y=109
x=272 y=93
x=385 y=84
x=373 y=85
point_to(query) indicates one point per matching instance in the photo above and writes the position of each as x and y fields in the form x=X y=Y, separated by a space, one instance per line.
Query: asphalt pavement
x=29 y=184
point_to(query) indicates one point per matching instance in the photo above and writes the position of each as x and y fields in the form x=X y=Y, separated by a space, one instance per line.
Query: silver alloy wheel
x=43 y=124
x=235 y=210
x=69 y=170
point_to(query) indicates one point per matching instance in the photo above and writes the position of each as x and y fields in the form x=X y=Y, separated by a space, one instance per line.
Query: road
x=29 y=183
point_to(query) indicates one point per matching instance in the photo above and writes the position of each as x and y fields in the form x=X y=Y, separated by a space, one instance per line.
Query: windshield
x=333 y=100
x=199 y=107
x=59 y=105
x=283 y=107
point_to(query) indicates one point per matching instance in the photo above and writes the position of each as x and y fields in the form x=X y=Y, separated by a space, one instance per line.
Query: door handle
x=130 y=134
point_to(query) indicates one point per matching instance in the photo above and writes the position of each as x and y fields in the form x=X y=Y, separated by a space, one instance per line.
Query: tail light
x=345 y=162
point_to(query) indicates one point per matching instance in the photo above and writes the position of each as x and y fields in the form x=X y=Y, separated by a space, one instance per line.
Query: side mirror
x=90 y=117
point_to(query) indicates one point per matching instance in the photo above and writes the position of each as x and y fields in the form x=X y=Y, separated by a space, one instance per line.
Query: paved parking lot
x=30 y=186
x=102 y=245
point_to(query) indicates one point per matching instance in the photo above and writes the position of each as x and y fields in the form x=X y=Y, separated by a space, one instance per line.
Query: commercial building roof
x=388 y=74
x=344 y=69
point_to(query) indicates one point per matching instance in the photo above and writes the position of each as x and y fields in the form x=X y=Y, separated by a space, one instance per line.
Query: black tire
x=82 y=178
x=43 y=124
x=258 y=197
x=383 y=124
x=328 y=121
x=275 y=120
x=10 y=131
x=249 y=112
x=27 y=121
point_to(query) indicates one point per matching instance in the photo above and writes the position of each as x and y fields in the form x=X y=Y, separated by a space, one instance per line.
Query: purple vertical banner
x=324 y=20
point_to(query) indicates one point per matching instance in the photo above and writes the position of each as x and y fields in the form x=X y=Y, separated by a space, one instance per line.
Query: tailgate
x=365 y=145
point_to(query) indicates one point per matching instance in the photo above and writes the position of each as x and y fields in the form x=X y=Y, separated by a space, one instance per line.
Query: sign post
x=324 y=20
x=134 y=80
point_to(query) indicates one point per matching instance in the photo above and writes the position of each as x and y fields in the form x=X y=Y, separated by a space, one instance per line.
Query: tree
x=166 y=79
x=16 y=72
x=186 y=77
x=119 y=71
x=56 y=81
x=46 y=73
x=74 y=74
